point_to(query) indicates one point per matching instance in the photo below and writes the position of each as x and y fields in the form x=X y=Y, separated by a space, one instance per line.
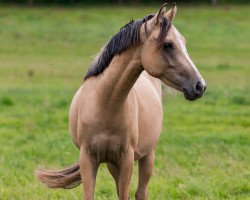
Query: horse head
x=164 y=55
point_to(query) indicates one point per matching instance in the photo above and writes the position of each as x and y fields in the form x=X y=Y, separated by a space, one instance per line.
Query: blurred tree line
x=72 y=2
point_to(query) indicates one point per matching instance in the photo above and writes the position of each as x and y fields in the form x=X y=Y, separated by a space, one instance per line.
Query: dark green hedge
x=71 y=2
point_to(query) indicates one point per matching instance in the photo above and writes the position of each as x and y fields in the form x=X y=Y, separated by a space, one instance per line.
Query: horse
x=116 y=115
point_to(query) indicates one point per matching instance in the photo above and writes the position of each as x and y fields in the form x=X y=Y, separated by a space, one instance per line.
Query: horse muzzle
x=195 y=92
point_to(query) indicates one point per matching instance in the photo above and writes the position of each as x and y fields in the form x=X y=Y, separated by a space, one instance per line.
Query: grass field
x=204 y=149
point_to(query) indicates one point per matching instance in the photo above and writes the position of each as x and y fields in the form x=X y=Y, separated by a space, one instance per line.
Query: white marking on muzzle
x=184 y=51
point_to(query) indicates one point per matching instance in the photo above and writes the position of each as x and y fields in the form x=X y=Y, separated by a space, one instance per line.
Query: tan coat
x=116 y=116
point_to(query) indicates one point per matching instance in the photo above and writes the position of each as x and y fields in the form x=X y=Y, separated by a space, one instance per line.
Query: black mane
x=128 y=36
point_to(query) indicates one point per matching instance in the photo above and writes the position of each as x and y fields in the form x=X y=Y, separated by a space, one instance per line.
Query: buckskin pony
x=116 y=115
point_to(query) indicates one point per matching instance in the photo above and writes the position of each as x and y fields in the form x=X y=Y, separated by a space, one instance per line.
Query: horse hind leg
x=88 y=170
x=125 y=170
x=114 y=172
x=146 y=165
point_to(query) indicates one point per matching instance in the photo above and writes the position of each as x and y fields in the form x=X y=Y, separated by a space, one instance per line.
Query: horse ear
x=160 y=14
x=171 y=13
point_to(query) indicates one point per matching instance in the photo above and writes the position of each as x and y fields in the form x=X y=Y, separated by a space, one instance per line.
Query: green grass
x=203 y=152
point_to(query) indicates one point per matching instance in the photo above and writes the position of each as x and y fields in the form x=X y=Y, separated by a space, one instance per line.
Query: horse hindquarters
x=73 y=117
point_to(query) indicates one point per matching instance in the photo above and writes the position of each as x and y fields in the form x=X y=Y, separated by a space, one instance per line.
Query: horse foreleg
x=146 y=165
x=114 y=172
x=88 y=170
x=125 y=170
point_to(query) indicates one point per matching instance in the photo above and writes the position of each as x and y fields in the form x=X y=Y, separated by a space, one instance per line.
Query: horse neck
x=118 y=79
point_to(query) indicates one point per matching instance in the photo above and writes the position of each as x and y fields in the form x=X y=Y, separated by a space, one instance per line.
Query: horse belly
x=146 y=143
x=150 y=116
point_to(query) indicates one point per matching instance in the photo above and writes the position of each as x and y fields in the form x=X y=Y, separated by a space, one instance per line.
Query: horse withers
x=116 y=115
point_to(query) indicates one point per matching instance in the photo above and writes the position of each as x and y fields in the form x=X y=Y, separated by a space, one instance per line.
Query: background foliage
x=72 y=2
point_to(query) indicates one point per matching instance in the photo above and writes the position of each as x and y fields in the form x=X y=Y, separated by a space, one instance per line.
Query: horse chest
x=107 y=140
x=108 y=132
x=107 y=146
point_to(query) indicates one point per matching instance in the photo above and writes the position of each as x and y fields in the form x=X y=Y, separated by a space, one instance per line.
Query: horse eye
x=167 y=46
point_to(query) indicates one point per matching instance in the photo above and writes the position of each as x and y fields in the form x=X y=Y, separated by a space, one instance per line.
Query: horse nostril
x=199 y=88
x=205 y=87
